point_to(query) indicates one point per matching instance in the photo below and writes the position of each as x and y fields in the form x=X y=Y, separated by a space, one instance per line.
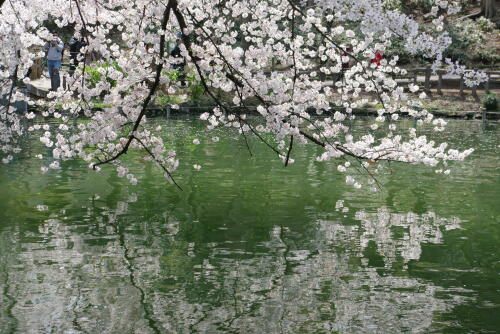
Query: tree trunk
x=489 y=8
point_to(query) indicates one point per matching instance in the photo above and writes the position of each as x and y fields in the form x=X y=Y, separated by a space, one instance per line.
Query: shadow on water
x=251 y=246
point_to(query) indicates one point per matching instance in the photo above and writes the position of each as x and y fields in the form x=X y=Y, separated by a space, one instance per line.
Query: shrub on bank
x=490 y=101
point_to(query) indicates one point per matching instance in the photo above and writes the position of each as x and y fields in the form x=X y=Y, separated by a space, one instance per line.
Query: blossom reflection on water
x=97 y=278
x=250 y=246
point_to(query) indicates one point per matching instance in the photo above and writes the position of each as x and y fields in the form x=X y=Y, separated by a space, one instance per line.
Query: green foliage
x=99 y=72
x=392 y=4
x=172 y=74
x=95 y=103
x=195 y=87
x=164 y=100
x=490 y=101
x=427 y=4
x=485 y=25
x=98 y=104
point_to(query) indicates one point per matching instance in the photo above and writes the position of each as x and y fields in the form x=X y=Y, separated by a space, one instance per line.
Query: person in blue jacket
x=54 y=49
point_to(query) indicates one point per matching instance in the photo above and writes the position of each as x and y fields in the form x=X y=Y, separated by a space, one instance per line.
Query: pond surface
x=250 y=246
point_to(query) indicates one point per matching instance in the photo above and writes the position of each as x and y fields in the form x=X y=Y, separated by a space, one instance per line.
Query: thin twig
x=289 y=151
x=158 y=161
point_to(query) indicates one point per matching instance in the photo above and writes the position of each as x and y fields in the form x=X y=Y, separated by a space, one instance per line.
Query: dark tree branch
x=241 y=127
x=260 y=98
x=187 y=42
x=87 y=39
x=152 y=90
x=289 y=151
x=293 y=54
x=245 y=137
x=14 y=83
x=15 y=12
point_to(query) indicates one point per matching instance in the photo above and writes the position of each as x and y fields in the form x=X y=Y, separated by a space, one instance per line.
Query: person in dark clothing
x=180 y=63
x=75 y=45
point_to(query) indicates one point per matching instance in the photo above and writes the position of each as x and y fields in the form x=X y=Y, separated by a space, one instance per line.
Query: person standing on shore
x=75 y=45
x=180 y=63
x=54 y=50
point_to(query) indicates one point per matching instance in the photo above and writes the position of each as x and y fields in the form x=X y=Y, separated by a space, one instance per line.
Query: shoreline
x=156 y=111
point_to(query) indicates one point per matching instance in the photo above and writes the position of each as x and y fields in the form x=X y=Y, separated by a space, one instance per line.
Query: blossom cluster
x=324 y=52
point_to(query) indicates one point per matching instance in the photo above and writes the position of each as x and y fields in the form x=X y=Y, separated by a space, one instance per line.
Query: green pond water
x=250 y=246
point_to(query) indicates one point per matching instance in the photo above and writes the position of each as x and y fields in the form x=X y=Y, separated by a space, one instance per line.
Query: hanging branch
x=87 y=39
x=293 y=53
x=152 y=91
x=257 y=95
x=241 y=126
x=14 y=83
x=158 y=161
x=289 y=151
x=187 y=43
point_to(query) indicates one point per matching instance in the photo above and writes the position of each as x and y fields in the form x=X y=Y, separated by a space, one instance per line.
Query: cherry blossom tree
x=229 y=45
